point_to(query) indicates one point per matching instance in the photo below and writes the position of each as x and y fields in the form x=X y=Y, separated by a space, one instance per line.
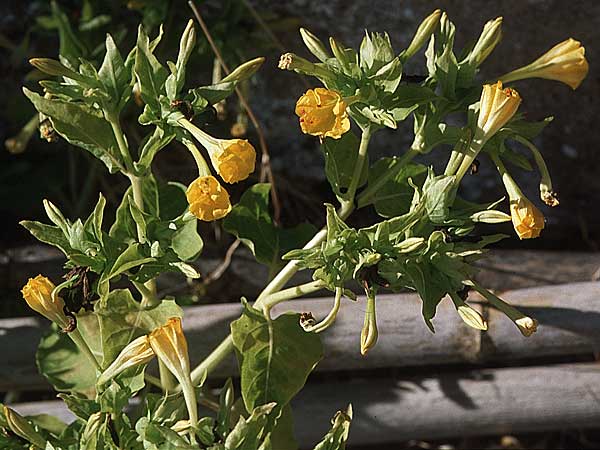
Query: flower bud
x=314 y=45
x=565 y=62
x=497 y=106
x=244 y=71
x=135 y=353
x=369 y=333
x=472 y=317
x=323 y=113
x=23 y=428
x=422 y=35
x=489 y=38
x=490 y=216
x=208 y=200
x=38 y=295
x=528 y=221
x=54 y=68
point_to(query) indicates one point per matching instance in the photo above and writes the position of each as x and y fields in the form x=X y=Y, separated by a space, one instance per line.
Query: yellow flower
x=234 y=160
x=135 y=353
x=565 y=62
x=38 y=295
x=170 y=345
x=497 y=106
x=528 y=221
x=322 y=113
x=208 y=199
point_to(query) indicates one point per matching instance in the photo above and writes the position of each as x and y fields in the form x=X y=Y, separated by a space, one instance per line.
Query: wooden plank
x=481 y=402
x=569 y=317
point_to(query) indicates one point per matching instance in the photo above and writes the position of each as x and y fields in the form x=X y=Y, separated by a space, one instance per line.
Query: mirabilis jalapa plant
x=103 y=338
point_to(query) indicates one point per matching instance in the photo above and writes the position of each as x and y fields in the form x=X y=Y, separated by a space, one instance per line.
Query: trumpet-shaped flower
x=323 y=113
x=497 y=106
x=38 y=295
x=170 y=346
x=528 y=221
x=208 y=200
x=565 y=62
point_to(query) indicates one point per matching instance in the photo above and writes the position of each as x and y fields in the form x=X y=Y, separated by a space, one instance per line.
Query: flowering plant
x=426 y=240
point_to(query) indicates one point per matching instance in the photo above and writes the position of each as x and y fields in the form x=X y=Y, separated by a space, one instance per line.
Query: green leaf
x=394 y=197
x=186 y=242
x=251 y=222
x=176 y=80
x=114 y=75
x=61 y=362
x=149 y=73
x=282 y=435
x=340 y=159
x=275 y=356
x=151 y=145
x=80 y=126
x=70 y=47
x=79 y=405
x=48 y=234
x=133 y=256
x=407 y=98
x=439 y=194
x=336 y=437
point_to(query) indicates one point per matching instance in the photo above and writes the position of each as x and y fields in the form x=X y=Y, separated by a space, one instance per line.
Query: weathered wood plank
x=480 y=402
x=569 y=317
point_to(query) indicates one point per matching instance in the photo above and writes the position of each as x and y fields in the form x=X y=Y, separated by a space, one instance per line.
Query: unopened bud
x=369 y=333
x=54 y=68
x=489 y=38
x=135 y=353
x=23 y=428
x=490 y=216
x=314 y=45
x=245 y=70
x=422 y=35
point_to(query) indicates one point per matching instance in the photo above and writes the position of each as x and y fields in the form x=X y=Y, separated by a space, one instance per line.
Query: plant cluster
x=106 y=335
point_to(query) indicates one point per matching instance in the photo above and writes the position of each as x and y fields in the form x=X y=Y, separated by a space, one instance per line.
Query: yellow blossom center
x=322 y=113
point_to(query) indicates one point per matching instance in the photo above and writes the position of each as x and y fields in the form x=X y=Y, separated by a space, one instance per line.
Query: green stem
x=514 y=192
x=358 y=167
x=77 y=338
x=287 y=294
x=123 y=147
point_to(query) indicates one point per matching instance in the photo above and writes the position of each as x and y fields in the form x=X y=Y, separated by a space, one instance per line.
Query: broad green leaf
x=61 y=362
x=251 y=222
x=48 y=234
x=248 y=434
x=132 y=257
x=114 y=75
x=282 y=435
x=151 y=146
x=150 y=74
x=82 y=127
x=340 y=159
x=438 y=192
x=394 y=197
x=275 y=357
x=80 y=405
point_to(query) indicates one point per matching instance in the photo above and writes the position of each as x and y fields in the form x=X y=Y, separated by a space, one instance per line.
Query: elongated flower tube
x=497 y=106
x=565 y=62
x=422 y=35
x=38 y=295
x=170 y=346
x=135 y=353
x=323 y=113
x=488 y=40
x=526 y=325
x=233 y=159
x=23 y=428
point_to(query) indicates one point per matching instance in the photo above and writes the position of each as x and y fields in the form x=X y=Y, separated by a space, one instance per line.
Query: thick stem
x=360 y=162
x=123 y=147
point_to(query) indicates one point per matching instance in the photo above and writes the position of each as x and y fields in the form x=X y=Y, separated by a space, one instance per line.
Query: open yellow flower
x=234 y=159
x=322 y=113
x=208 y=200
x=497 y=106
x=38 y=295
x=565 y=62
x=528 y=221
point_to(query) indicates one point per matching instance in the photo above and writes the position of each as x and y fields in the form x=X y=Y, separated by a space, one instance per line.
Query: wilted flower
x=322 y=113
x=528 y=221
x=497 y=106
x=208 y=200
x=170 y=345
x=527 y=325
x=38 y=295
x=565 y=62
x=135 y=353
